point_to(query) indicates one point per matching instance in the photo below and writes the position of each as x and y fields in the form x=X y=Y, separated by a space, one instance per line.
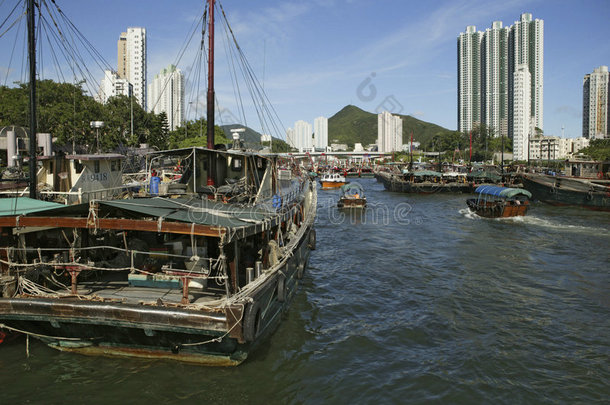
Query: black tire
x=311 y=243
x=252 y=320
x=281 y=288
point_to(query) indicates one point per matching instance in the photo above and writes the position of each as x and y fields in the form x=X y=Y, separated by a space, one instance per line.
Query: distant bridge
x=339 y=154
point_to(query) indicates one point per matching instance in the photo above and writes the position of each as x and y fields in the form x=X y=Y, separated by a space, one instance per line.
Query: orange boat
x=332 y=180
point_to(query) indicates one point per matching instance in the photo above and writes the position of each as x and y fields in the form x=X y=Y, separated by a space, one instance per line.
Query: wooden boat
x=352 y=196
x=332 y=180
x=560 y=190
x=499 y=202
x=422 y=182
x=202 y=275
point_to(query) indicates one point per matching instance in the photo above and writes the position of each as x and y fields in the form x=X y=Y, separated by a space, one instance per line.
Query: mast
x=32 y=57
x=210 y=99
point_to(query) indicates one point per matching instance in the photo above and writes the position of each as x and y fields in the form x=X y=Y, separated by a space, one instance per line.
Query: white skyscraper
x=526 y=46
x=389 y=132
x=112 y=85
x=486 y=66
x=596 y=106
x=166 y=94
x=495 y=78
x=522 y=119
x=290 y=138
x=132 y=61
x=469 y=79
x=320 y=131
x=302 y=133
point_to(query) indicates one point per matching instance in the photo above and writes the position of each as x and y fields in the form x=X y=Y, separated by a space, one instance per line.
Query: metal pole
x=210 y=98
x=33 y=129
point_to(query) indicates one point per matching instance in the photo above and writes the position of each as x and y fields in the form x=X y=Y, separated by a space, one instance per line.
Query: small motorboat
x=352 y=196
x=499 y=202
x=332 y=180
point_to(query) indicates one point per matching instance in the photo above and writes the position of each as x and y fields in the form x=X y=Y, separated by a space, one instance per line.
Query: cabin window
x=113 y=165
x=96 y=166
x=78 y=166
x=236 y=164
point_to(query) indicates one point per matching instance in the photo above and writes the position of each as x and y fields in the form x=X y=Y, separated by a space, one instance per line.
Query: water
x=416 y=301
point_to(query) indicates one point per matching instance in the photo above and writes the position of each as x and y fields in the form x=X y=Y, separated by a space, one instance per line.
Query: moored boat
x=201 y=277
x=352 y=196
x=561 y=190
x=199 y=272
x=499 y=202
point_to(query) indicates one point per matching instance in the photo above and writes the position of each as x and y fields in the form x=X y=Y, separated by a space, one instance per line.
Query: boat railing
x=73 y=197
x=66 y=260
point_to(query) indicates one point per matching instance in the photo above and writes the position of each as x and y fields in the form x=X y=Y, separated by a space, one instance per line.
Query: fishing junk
x=201 y=274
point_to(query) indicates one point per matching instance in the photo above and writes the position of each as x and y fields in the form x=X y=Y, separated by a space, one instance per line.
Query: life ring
x=252 y=320
x=311 y=243
x=281 y=288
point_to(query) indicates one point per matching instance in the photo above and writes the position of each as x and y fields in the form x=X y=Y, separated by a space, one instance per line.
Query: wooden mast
x=32 y=57
x=210 y=97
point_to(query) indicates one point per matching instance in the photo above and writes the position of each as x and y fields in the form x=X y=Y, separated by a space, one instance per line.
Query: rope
x=219 y=339
x=3 y=326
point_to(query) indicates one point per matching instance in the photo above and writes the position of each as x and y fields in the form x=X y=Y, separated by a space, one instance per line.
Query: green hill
x=352 y=125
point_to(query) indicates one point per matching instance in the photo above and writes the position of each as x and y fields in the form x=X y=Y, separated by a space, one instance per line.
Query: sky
x=315 y=57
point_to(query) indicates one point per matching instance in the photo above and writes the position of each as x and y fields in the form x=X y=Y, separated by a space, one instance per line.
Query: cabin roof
x=24 y=205
x=97 y=156
x=505 y=192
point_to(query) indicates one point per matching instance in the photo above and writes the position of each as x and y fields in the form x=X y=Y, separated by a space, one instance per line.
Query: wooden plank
x=115 y=224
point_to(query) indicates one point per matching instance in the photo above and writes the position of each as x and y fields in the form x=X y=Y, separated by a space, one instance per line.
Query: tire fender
x=311 y=243
x=281 y=288
x=252 y=320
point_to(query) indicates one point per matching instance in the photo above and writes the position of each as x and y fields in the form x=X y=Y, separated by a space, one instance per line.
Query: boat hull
x=213 y=336
x=351 y=203
x=496 y=209
x=568 y=191
x=332 y=184
x=397 y=184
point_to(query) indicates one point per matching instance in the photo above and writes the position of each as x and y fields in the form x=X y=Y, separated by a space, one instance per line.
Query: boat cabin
x=81 y=178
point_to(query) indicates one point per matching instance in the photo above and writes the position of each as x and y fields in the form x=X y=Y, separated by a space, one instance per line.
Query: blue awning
x=505 y=192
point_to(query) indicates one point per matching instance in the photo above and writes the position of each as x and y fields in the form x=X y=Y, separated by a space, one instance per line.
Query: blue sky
x=318 y=56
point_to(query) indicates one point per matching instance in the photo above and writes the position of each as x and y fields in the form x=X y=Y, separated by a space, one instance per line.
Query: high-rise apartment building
x=112 y=85
x=469 y=79
x=522 y=119
x=132 y=61
x=302 y=134
x=487 y=63
x=320 y=131
x=389 y=132
x=166 y=94
x=495 y=79
x=290 y=138
x=595 y=105
x=526 y=46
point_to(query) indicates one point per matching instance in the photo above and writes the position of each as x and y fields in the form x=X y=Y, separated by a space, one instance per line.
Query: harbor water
x=415 y=300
